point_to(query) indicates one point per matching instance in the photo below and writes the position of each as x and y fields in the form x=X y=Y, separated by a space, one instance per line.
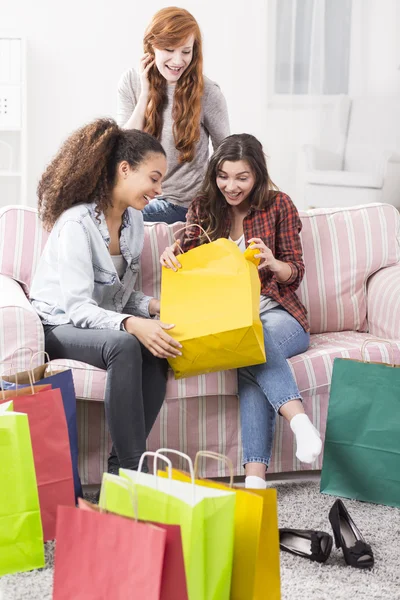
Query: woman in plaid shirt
x=239 y=201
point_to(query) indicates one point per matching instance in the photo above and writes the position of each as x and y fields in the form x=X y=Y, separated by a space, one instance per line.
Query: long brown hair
x=84 y=168
x=235 y=147
x=170 y=27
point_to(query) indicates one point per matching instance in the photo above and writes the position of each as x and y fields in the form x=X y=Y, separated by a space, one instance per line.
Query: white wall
x=376 y=49
x=78 y=49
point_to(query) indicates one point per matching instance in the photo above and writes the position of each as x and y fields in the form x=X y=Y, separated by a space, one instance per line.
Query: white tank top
x=266 y=303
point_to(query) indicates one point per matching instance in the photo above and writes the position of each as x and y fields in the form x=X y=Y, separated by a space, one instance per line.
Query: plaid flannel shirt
x=278 y=225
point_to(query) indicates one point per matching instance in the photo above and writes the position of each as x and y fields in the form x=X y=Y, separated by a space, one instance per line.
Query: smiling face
x=235 y=180
x=172 y=62
x=135 y=187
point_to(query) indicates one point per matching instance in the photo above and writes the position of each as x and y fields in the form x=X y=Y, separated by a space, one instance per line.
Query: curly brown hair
x=171 y=27
x=84 y=168
x=240 y=146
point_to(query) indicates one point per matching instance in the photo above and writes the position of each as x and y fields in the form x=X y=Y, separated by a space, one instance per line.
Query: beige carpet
x=300 y=506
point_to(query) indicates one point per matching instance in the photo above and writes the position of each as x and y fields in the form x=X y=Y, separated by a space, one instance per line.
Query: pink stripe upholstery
x=21 y=332
x=207 y=422
x=212 y=422
x=384 y=303
x=90 y=382
x=342 y=248
x=22 y=240
x=350 y=277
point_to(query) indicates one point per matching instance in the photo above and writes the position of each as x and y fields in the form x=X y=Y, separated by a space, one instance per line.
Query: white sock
x=308 y=441
x=254 y=482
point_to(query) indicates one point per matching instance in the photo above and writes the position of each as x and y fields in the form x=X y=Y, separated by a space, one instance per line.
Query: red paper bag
x=173 y=579
x=101 y=556
x=51 y=452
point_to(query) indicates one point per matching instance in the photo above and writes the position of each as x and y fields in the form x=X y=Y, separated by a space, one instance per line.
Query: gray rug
x=300 y=506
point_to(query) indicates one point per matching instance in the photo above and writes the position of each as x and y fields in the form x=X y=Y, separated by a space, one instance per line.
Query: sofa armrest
x=21 y=330
x=383 y=303
x=391 y=178
x=318 y=159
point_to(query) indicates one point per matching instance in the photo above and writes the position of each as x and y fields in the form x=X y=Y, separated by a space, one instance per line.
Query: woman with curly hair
x=91 y=197
x=239 y=201
x=172 y=99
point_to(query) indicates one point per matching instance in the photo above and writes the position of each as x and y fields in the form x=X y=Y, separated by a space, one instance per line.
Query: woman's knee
x=123 y=344
x=281 y=330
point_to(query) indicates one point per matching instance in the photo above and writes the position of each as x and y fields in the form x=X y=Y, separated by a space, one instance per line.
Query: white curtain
x=308 y=85
x=312 y=47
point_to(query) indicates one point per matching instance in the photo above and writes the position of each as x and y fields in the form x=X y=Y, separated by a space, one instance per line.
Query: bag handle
x=156 y=456
x=187 y=227
x=379 y=341
x=19 y=350
x=125 y=484
x=11 y=363
x=3 y=394
x=48 y=361
x=181 y=454
x=190 y=463
x=216 y=456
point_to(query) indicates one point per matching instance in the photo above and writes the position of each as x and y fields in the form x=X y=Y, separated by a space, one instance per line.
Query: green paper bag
x=206 y=521
x=21 y=536
x=362 y=443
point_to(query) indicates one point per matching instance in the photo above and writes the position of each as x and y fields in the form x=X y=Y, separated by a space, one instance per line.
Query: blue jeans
x=164 y=211
x=263 y=389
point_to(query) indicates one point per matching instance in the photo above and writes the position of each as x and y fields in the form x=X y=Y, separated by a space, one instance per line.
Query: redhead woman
x=171 y=99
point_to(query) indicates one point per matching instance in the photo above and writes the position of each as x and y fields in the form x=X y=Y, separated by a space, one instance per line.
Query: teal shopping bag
x=362 y=443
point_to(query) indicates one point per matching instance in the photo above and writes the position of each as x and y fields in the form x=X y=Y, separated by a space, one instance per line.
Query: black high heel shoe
x=357 y=553
x=314 y=545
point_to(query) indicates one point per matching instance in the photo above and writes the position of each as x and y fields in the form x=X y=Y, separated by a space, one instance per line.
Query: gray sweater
x=182 y=181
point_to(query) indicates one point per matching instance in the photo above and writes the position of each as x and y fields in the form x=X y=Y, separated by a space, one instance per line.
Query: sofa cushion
x=312 y=369
x=342 y=248
x=345 y=179
x=90 y=382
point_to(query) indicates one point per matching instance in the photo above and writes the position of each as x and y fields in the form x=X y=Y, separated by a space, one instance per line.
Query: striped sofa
x=351 y=290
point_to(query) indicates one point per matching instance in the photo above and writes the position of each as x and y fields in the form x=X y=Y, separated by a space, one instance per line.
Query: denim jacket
x=76 y=281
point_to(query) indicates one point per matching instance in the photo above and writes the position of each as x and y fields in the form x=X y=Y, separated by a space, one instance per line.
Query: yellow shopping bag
x=214 y=303
x=255 y=569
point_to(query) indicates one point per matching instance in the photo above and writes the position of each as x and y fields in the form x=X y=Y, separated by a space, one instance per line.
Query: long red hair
x=170 y=28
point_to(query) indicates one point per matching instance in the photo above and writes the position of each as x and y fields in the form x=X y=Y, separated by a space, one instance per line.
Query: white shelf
x=13 y=130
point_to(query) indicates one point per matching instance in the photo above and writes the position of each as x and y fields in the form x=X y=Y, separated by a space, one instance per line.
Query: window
x=310 y=47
